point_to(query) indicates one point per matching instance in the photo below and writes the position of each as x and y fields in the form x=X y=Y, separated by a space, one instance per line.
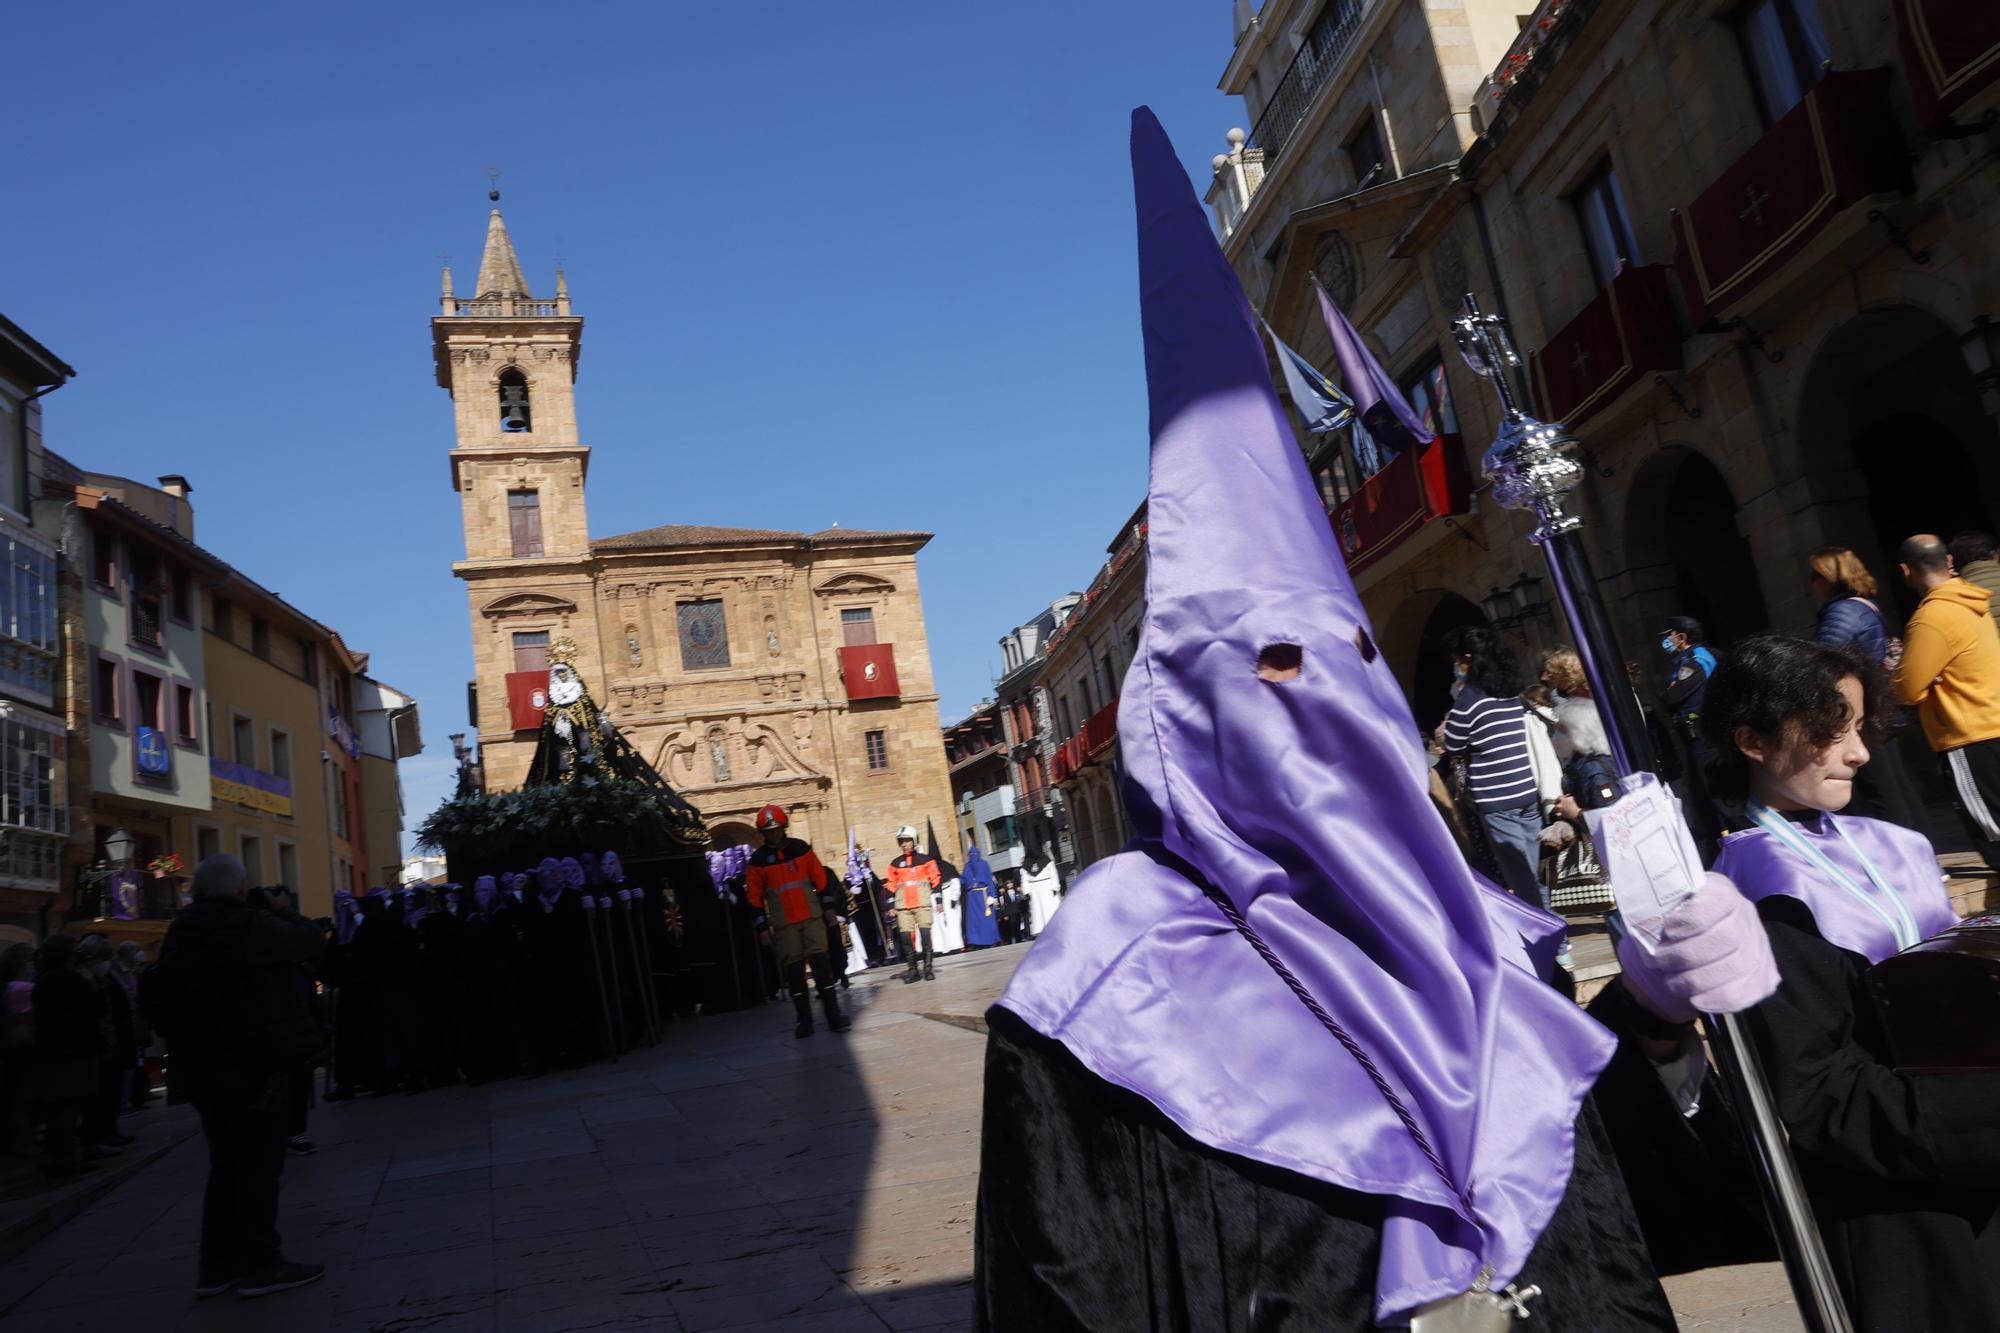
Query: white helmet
x=906 y=832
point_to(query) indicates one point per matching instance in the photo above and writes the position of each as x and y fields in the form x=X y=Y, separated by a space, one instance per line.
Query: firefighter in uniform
x=913 y=878
x=794 y=900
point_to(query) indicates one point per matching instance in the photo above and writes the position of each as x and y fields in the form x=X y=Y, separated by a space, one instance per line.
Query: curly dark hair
x=1492 y=672
x=1777 y=685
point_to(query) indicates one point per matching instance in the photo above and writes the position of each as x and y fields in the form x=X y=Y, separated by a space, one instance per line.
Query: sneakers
x=282 y=1278
x=207 y=1288
x=301 y=1147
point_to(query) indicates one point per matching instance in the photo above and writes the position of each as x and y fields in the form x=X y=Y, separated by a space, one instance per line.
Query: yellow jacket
x=1951 y=666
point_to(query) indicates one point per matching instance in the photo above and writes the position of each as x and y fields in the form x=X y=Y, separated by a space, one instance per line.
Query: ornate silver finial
x=1531 y=463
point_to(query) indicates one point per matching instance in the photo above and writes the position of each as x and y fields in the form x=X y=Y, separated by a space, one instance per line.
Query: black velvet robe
x=1096 y=1212
x=1903 y=1170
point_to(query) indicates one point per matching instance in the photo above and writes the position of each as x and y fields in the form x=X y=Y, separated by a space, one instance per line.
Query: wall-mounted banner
x=248 y=786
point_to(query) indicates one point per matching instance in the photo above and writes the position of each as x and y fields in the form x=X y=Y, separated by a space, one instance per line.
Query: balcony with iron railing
x=1327 y=41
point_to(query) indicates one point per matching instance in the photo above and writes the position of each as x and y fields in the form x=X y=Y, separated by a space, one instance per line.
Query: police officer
x=913 y=878
x=1689 y=665
x=794 y=901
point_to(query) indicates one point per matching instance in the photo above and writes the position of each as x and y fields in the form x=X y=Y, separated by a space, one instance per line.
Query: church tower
x=509 y=360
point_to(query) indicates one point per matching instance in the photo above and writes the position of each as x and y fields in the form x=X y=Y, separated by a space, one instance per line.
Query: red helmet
x=772 y=816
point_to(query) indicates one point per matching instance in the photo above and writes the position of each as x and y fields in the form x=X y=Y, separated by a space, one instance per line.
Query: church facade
x=747 y=665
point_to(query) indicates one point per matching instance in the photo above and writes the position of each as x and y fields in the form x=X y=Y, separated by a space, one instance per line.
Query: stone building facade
x=1083 y=669
x=1746 y=252
x=748 y=666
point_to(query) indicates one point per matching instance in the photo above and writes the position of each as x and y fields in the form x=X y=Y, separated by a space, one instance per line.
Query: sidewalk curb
x=69 y=1202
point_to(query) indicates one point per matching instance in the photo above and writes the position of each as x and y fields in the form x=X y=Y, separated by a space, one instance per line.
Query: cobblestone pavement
x=731 y=1179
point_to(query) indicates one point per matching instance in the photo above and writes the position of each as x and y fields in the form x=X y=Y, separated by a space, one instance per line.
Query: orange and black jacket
x=786 y=882
x=913 y=878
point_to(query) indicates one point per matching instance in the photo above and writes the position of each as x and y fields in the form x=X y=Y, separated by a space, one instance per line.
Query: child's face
x=1799 y=775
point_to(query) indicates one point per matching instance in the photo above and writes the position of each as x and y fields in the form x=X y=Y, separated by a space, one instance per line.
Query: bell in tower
x=514 y=401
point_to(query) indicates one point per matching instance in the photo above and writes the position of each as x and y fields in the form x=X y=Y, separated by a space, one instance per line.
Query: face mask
x=1458 y=670
x=1667 y=644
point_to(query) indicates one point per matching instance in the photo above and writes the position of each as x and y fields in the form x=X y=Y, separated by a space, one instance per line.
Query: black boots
x=910 y=974
x=835 y=1020
x=929 y=975
x=803 y=1003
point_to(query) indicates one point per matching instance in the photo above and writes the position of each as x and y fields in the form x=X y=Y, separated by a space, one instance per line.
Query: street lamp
x=118 y=848
x=1499 y=605
x=1529 y=601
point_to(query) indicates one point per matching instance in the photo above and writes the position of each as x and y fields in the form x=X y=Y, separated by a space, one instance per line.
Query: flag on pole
x=1318 y=398
x=1385 y=413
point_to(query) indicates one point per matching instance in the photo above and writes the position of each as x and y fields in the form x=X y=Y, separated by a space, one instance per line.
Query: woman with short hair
x=1850 y=618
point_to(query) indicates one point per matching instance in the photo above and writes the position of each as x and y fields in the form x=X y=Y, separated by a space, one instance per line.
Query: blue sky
x=857 y=263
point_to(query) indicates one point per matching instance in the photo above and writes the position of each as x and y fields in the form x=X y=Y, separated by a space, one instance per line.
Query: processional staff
x=1532 y=466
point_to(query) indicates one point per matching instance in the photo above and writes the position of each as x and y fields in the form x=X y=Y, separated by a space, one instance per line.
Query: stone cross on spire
x=499 y=269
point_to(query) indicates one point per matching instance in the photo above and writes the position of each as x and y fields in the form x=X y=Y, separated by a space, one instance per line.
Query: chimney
x=176 y=485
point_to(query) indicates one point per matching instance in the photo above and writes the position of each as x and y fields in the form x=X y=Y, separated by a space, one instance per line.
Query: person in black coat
x=226 y=996
x=69 y=1046
x=119 y=1041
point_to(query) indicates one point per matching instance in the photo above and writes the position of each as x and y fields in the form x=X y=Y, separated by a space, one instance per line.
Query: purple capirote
x=1306 y=802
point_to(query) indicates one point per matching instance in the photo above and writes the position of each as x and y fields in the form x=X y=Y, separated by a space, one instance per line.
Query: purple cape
x=1306 y=802
x=1760 y=866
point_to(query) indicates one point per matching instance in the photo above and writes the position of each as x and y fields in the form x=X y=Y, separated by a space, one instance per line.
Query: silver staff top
x=1531 y=463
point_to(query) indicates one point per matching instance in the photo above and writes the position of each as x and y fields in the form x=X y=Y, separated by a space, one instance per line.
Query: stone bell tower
x=509 y=360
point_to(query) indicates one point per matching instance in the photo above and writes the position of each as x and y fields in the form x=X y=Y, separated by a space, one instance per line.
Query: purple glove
x=1713 y=957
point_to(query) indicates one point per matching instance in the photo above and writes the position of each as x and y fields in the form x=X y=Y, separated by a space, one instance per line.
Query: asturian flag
x=1318 y=398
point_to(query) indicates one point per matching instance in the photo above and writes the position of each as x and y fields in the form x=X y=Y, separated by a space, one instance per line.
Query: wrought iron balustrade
x=1329 y=39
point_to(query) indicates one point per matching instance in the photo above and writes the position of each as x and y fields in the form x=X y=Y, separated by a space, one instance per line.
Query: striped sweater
x=1493 y=735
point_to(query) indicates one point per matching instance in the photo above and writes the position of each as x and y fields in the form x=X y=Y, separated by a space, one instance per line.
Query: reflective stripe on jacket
x=912 y=879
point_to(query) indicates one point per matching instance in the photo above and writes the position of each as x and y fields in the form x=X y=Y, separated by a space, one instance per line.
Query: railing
x=146 y=622
x=1329 y=39
x=1091 y=741
x=516 y=307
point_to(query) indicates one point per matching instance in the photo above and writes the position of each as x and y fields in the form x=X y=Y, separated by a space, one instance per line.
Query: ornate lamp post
x=1532 y=466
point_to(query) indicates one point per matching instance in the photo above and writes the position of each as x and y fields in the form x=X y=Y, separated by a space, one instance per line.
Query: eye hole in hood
x=1280 y=662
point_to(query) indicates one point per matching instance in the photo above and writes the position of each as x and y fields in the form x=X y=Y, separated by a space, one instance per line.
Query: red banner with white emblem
x=869 y=669
x=527 y=696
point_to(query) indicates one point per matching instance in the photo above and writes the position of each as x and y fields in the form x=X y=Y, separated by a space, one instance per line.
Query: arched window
x=514 y=401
